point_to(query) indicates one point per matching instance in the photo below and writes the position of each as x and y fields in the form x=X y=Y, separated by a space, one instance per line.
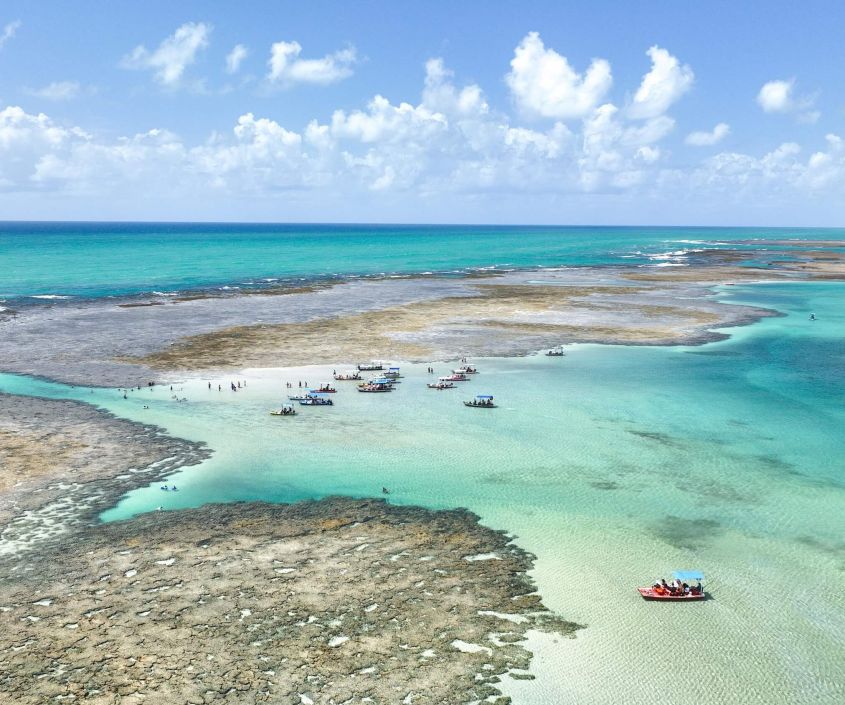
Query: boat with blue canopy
x=680 y=589
x=316 y=399
x=481 y=401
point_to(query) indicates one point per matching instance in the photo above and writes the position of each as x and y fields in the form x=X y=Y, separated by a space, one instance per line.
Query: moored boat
x=466 y=370
x=392 y=373
x=454 y=377
x=325 y=389
x=347 y=377
x=556 y=352
x=375 y=386
x=441 y=385
x=286 y=410
x=481 y=401
x=312 y=397
x=316 y=399
x=370 y=366
x=679 y=590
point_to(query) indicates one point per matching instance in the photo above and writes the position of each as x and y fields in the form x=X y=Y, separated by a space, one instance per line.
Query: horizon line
x=406 y=224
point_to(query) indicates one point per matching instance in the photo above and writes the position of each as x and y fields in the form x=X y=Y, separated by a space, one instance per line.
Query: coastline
x=532 y=301
x=121 y=343
x=63 y=462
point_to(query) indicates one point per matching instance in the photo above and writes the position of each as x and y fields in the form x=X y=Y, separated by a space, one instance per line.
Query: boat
x=316 y=399
x=466 y=370
x=454 y=377
x=392 y=373
x=375 y=387
x=298 y=397
x=381 y=380
x=370 y=366
x=325 y=389
x=286 y=410
x=481 y=401
x=441 y=385
x=348 y=377
x=658 y=592
x=556 y=352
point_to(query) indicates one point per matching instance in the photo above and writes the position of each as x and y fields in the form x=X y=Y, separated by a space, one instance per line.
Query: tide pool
x=613 y=465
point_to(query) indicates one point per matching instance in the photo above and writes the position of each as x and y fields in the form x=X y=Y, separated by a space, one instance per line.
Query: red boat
x=649 y=593
x=325 y=389
x=681 y=578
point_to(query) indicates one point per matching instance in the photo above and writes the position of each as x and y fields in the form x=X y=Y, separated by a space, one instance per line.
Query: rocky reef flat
x=334 y=601
x=63 y=462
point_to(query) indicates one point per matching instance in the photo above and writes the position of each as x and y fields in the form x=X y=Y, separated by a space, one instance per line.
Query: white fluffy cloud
x=544 y=84
x=286 y=67
x=9 y=32
x=779 y=97
x=235 y=58
x=173 y=55
x=776 y=96
x=705 y=138
x=59 y=90
x=448 y=144
x=662 y=86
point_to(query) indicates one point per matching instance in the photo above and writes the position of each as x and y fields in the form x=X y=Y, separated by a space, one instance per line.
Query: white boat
x=556 y=352
x=441 y=385
x=466 y=370
x=347 y=377
x=376 y=386
x=392 y=373
x=454 y=377
x=370 y=366
x=286 y=410
x=316 y=399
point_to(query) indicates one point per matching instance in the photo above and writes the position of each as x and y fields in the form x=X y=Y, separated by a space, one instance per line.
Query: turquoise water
x=122 y=259
x=613 y=465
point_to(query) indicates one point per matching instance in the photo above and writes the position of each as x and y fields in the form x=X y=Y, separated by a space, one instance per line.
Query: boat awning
x=312 y=393
x=483 y=396
x=393 y=369
x=381 y=380
x=684 y=575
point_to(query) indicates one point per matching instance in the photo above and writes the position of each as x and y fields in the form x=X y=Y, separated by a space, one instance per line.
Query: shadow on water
x=605 y=485
x=658 y=437
x=685 y=533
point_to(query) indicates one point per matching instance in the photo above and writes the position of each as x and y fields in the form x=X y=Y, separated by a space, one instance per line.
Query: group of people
x=481 y=402
x=676 y=588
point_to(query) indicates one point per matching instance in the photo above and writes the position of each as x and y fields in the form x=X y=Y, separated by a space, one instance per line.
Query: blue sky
x=605 y=112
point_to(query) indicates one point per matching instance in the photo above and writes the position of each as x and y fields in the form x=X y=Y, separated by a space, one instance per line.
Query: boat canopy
x=684 y=575
x=381 y=380
x=483 y=396
x=393 y=369
x=315 y=393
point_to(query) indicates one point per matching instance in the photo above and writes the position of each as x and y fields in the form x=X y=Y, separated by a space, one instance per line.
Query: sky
x=718 y=113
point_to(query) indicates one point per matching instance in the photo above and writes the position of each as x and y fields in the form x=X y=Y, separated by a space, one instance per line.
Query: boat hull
x=649 y=594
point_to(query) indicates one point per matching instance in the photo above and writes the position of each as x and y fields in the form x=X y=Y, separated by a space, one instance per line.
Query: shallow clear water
x=94 y=260
x=613 y=465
